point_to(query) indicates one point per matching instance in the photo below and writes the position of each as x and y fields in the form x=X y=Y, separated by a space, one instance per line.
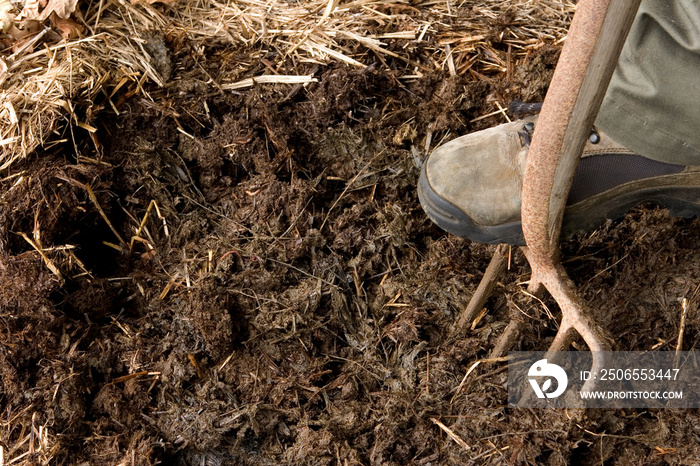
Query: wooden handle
x=596 y=36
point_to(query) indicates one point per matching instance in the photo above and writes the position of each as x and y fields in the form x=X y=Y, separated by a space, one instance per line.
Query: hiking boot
x=472 y=186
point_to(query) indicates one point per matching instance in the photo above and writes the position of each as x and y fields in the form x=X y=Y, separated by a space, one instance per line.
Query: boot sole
x=679 y=193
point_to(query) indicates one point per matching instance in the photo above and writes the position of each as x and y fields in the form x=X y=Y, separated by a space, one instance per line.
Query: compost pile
x=212 y=251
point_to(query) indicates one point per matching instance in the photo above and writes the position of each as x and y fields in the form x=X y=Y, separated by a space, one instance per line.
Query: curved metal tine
x=483 y=292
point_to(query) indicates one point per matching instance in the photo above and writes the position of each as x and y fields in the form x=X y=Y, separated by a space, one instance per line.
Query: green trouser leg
x=653 y=103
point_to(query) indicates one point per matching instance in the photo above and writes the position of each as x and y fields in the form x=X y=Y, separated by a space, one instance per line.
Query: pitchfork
x=582 y=75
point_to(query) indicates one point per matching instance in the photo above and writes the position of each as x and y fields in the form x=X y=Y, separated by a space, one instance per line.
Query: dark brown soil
x=286 y=301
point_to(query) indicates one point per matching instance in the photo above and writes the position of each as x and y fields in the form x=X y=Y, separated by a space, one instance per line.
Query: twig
x=451 y=434
x=471 y=369
x=51 y=266
x=681 y=332
x=93 y=198
x=269 y=79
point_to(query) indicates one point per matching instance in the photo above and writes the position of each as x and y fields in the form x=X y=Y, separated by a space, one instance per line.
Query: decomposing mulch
x=246 y=277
